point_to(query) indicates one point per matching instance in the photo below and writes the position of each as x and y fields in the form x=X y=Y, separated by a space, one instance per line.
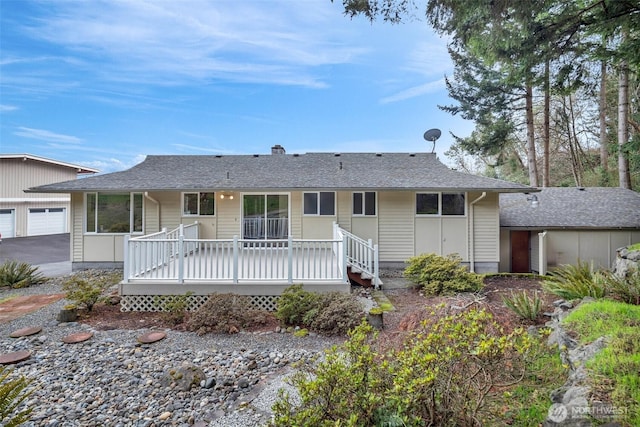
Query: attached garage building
x=567 y=224
x=33 y=214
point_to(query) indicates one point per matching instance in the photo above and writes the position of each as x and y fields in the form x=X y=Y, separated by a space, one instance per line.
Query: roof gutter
x=472 y=261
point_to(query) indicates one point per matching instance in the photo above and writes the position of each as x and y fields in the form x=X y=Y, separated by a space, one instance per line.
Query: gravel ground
x=113 y=380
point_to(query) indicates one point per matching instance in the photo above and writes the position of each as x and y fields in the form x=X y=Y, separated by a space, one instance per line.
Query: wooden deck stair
x=357 y=277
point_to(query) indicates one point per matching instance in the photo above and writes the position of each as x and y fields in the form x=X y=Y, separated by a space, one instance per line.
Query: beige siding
x=229 y=217
x=77 y=227
x=486 y=228
x=344 y=209
x=17 y=175
x=170 y=209
x=295 y=215
x=396 y=228
x=151 y=214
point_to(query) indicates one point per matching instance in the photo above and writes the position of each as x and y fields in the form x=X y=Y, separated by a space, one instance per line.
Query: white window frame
x=198 y=193
x=318 y=204
x=440 y=194
x=364 y=204
x=131 y=213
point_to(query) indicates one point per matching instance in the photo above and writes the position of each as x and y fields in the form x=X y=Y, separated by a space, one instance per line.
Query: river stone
x=184 y=377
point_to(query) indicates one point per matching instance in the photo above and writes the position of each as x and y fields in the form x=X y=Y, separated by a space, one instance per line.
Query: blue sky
x=104 y=83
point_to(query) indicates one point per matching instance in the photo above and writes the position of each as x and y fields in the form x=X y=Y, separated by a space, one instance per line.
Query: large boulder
x=626 y=261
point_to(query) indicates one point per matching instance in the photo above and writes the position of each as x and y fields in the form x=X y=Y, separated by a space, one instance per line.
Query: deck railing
x=361 y=255
x=158 y=257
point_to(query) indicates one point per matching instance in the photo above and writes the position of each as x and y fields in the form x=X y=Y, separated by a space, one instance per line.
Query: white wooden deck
x=242 y=267
x=177 y=262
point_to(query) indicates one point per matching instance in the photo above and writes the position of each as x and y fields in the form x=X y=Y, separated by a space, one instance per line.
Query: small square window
x=453 y=204
x=427 y=204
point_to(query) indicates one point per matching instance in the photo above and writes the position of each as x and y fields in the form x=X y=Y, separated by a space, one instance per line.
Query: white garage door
x=46 y=221
x=8 y=223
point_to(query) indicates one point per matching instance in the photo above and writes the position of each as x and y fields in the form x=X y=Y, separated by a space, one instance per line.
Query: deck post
x=127 y=261
x=290 y=262
x=345 y=275
x=235 y=259
x=376 y=267
x=181 y=257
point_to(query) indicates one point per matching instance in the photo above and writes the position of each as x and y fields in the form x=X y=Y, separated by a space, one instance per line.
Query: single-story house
x=253 y=224
x=568 y=224
x=34 y=214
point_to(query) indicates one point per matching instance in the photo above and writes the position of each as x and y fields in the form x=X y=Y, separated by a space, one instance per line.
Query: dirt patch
x=19 y=306
x=411 y=303
x=410 y=306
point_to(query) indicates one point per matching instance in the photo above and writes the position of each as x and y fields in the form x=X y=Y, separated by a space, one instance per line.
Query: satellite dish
x=432 y=135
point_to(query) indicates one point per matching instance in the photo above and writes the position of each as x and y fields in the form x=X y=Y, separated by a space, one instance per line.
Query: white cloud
x=45 y=135
x=430 y=58
x=412 y=92
x=166 y=42
x=6 y=108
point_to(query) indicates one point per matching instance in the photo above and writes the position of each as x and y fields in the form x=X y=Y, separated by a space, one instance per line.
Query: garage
x=8 y=223
x=46 y=221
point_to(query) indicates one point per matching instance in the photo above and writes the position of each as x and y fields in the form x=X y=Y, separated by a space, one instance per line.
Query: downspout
x=472 y=243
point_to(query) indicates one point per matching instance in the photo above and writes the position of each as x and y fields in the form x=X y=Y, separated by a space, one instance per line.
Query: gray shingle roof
x=355 y=171
x=564 y=207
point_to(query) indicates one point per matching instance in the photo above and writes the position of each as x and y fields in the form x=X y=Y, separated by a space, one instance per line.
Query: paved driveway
x=50 y=252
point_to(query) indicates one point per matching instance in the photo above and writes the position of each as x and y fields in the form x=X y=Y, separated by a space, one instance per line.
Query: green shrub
x=625 y=289
x=19 y=275
x=332 y=313
x=447 y=373
x=87 y=292
x=226 y=313
x=575 y=282
x=295 y=303
x=12 y=394
x=440 y=275
x=173 y=307
x=525 y=306
x=336 y=314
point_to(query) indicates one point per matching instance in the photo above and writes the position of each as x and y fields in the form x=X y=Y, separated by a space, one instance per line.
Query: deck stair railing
x=361 y=255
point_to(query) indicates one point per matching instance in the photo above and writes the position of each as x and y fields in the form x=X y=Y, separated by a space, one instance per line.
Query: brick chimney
x=277 y=149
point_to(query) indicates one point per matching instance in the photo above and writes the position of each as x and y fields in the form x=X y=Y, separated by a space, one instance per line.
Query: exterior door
x=520 y=252
x=265 y=216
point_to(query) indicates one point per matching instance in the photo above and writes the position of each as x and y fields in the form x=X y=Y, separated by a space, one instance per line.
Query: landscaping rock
x=570 y=400
x=625 y=262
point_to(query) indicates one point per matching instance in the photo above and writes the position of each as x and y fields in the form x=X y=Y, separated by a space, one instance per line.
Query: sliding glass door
x=265 y=216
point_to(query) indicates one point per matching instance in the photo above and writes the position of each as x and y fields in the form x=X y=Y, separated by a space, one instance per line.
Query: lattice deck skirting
x=154 y=303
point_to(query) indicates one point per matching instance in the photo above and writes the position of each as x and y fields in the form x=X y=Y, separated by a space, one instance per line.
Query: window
x=198 y=203
x=453 y=204
x=364 y=203
x=427 y=204
x=320 y=203
x=114 y=213
x=446 y=204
